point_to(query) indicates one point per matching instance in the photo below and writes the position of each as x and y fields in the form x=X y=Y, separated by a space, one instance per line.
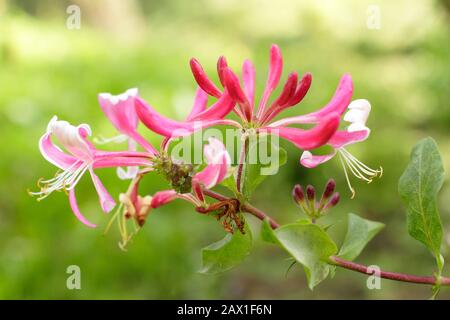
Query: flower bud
x=333 y=201
x=310 y=192
x=297 y=193
x=329 y=189
x=202 y=79
x=221 y=66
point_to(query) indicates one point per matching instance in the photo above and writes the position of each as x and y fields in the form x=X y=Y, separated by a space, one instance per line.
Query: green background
x=46 y=69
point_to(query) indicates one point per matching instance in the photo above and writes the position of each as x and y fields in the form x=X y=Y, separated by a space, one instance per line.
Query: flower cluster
x=69 y=147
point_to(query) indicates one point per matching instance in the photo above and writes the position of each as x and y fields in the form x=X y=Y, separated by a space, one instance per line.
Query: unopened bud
x=333 y=201
x=297 y=193
x=329 y=189
x=221 y=66
x=202 y=79
x=310 y=192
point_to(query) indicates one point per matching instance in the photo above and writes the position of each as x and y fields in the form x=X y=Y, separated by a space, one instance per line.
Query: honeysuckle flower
x=79 y=156
x=327 y=119
x=357 y=114
x=217 y=169
x=199 y=118
x=121 y=112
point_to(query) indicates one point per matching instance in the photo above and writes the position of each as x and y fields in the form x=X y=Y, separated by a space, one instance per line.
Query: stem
x=389 y=275
x=242 y=159
x=261 y=215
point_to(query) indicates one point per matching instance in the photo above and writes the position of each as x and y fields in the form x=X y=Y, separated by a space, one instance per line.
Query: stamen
x=357 y=168
x=346 y=177
x=62 y=181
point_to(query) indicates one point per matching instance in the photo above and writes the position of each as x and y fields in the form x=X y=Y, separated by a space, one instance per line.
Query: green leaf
x=309 y=244
x=418 y=187
x=264 y=159
x=360 y=231
x=267 y=233
x=223 y=255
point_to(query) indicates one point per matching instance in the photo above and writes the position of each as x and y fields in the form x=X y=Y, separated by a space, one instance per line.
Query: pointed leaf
x=225 y=254
x=360 y=231
x=418 y=187
x=309 y=244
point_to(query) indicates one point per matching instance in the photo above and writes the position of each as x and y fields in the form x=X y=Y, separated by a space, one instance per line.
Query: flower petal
x=311 y=138
x=119 y=109
x=163 y=197
x=248 y=78
x=309 y=160
x=200 y=102
x=171 y=128
x=76 y=210
x=53 y=154
x=223 y=106
x=275 y=69
x=106 y=201
x=343 y=138
x=219 y=163
x=338 y=104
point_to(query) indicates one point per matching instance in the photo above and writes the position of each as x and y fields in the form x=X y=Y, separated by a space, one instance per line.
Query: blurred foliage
x=403 y=69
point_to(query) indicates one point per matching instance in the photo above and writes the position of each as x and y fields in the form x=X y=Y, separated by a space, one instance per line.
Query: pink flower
x=217 y=169
x=327 y=119
x=358 y=112
x=121 y=112
x=79 y=156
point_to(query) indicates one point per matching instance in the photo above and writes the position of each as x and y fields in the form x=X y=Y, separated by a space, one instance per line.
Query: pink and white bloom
x=121 y=112
x=357 y=115
x=79 y=156
x=218 y=169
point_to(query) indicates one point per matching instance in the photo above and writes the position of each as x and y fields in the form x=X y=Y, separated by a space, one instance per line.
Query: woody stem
x=349 y=265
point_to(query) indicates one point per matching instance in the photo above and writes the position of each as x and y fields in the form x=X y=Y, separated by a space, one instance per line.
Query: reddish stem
x=339 y=261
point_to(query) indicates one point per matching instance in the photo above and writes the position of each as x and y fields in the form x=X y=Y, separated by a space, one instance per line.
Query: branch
x=261 y=215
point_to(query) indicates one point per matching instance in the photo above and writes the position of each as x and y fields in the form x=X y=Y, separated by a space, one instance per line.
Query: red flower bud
x=221 y=66
x=302 y=89
x=288 y=89
x=329 y=189
x=297 y=193
x=202 y=79
x=310 y=192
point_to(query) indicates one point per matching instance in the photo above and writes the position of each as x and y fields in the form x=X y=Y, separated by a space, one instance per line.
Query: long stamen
x=346 y=176
x=357 y=168
x=65 y=180
x=363 y=166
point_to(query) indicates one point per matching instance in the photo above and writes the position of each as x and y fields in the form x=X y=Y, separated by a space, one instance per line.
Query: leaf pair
x=311 y=246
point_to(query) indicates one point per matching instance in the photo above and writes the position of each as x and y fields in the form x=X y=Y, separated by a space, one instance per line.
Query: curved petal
x=76 y=210
x=223 y=106
x=171 y=128
x=219 y=163
x=106 y=201
x=53 y=154
x=312 y=138
x=248 y=78
x=72 y=138
x=200 y=103
x=338 y=104
x=119 y=109
x=121 y=162
x=163 y=197
x=275 y=69
x=309 y=160
x=343 y=138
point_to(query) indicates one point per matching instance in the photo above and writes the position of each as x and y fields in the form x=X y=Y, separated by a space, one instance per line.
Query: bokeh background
x=403 y=68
